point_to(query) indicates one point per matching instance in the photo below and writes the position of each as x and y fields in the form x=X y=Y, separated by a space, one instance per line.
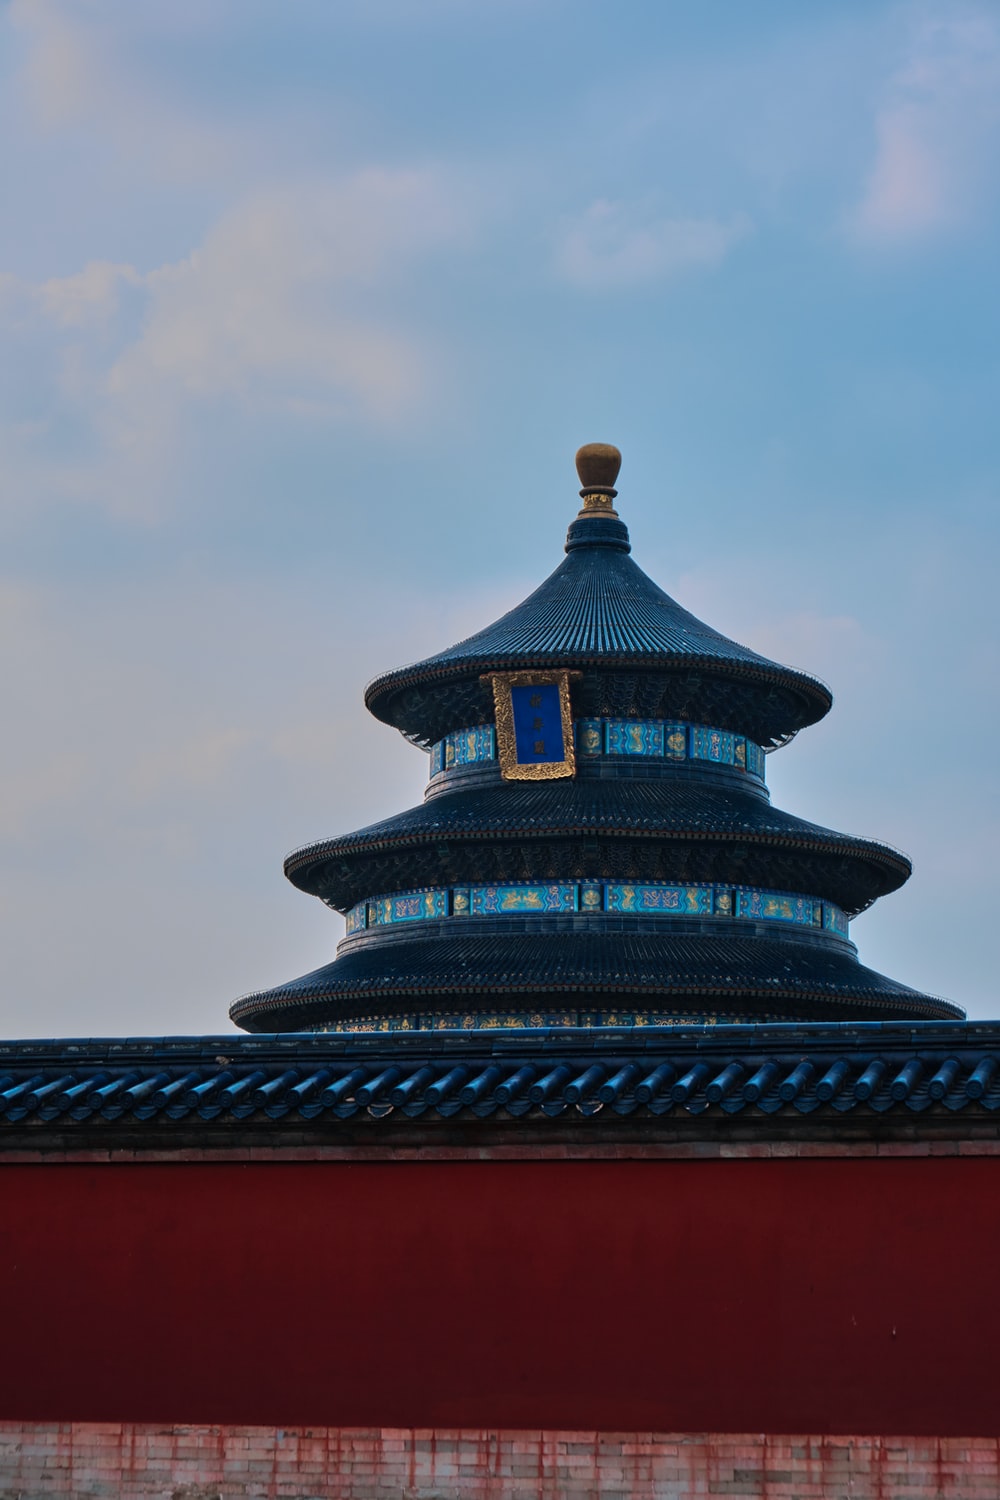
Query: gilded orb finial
x=597 y=465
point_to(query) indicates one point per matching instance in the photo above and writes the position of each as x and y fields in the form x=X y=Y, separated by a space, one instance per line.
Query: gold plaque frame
x=511 y=769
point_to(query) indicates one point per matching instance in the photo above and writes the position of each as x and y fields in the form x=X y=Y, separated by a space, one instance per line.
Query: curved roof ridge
x=599 y=604
x=578 y=607
x=560 y=805
x=664 y=970
x=633 y=810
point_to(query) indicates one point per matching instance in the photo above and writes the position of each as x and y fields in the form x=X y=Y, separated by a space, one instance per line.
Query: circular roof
x=599 y=613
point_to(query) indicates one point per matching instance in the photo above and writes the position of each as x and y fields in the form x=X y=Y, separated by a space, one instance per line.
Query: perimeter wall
x=502 y=1323
x=697 y=1292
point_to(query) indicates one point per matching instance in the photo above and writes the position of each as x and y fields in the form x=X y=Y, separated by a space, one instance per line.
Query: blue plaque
x=534 y=724
x=538 y=731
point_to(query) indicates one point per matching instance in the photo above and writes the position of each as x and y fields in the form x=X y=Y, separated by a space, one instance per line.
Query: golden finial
x=597 y=465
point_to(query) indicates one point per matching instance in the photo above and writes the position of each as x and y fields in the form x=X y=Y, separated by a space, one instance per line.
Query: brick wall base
x=121 y=1461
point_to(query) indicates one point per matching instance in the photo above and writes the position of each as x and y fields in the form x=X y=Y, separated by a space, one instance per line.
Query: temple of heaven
x=596 y=845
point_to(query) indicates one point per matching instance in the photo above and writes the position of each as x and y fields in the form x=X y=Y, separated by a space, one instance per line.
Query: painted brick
x=112 y=1461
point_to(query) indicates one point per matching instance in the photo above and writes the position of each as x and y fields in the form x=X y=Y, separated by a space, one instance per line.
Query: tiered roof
x=643 y=655
x=649 y=881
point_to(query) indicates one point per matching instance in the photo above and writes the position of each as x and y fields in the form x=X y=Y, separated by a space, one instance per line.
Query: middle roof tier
x=587 y=829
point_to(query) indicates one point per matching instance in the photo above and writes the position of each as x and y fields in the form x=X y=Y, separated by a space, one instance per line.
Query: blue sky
x=305 y=311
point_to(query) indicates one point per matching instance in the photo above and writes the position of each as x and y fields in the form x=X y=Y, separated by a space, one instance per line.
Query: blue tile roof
x=849 y=870
x=600 y=611
x=794 y=1070
x=687 y=975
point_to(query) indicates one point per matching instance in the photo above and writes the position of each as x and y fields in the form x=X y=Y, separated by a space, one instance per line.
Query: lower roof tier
x=531 y=976
x=618 y=829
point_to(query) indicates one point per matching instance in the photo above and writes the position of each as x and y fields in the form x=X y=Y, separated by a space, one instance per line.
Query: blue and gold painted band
x=651 y=899
x=662 y=739
x=519 y=1020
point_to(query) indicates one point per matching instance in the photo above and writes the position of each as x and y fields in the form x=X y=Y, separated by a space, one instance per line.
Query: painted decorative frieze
x=658 y=739
x=658 y=899
x=633 y=737
x=690 y=900
x=834 y=920
x=410 y=906
x=467 y=746
x=494 y=900
x=774 y=906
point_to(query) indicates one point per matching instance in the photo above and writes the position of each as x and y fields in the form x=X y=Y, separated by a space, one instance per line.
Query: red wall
x=822 y=1296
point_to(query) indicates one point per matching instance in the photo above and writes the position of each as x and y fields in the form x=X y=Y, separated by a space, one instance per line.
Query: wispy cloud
x=74 y=74
x=89 y=296
x=274 y=304
x=937 y=130
x=63 y=73
x=291 y=305
x=626 y=244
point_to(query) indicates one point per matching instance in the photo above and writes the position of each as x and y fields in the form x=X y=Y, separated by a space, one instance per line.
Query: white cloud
x=62 y=70
x=91 y=295
x=74 y=74
x=293 y=304
x=620 y=244
x=937 y=129
x=908 y=191
x=273 y=303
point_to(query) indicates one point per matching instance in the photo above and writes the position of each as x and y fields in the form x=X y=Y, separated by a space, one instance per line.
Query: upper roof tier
x=640 y=653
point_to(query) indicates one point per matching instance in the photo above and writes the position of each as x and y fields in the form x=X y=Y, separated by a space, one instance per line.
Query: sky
x=305 y=310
